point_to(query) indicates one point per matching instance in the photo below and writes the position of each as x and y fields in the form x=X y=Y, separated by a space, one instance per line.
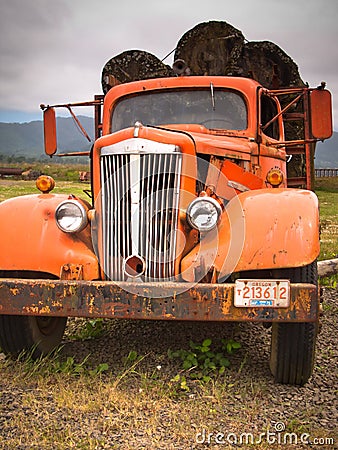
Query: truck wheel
x=39 y=334
x=293 y=344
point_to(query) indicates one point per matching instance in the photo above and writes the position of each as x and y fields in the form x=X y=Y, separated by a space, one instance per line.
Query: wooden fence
x=319 y=173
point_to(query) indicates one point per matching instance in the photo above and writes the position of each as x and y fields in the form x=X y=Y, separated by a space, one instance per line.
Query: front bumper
x=156 y=301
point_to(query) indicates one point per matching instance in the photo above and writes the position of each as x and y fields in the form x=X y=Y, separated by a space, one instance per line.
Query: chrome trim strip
x=138 y=145
x=134 y=174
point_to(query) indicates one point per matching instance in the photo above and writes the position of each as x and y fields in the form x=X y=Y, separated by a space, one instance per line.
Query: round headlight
x=71 y=216
x=203 y=213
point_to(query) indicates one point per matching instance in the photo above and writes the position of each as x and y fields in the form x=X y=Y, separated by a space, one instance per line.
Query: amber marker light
x=45 y=184
x=275 y=177
x=91 y=215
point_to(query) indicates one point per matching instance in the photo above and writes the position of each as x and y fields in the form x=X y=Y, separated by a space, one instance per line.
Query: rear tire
x=38 y=334
x=293 y=344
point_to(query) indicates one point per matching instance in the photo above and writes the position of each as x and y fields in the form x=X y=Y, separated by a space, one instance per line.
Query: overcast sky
x=53 y=51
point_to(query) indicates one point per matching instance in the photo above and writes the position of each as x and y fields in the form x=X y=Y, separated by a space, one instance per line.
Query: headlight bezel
x=198 y=202
x=83 y=218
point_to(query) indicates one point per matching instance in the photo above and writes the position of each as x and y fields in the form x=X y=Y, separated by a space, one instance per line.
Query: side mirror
x=49 y=128
x=321 y=114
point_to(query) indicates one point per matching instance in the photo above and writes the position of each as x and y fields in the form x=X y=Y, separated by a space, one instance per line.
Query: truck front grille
x=140 y=197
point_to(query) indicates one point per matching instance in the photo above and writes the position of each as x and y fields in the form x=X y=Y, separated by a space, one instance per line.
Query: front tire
x=38 y=334
x=293 y=344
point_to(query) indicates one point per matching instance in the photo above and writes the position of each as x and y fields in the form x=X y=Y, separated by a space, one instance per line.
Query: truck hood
x=219 y=143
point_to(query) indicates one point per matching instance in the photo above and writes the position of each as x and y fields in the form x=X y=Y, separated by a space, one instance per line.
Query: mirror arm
x=83 y=131
x=291 y=143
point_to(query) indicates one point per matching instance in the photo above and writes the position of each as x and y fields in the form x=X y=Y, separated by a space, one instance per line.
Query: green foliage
x=54 y=363
x=132 y=357
x=69 y=366
x=181 y=382
x=202 y=361
x=132 y=360
x=330 y=281
x=93 y=329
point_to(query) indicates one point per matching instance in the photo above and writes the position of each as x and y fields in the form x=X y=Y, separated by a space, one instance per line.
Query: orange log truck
x=192 y=217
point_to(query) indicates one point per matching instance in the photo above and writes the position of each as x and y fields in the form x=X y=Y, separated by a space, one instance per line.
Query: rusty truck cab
x=193 y=217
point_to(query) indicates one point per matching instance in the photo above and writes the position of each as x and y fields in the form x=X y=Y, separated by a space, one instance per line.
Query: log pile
x=217 y=48
x=210 y=48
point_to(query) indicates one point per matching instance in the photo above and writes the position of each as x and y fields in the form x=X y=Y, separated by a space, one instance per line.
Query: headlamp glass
x=203 y=213
x=71 y=216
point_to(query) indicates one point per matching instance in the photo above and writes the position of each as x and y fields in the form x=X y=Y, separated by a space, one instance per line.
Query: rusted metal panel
x=158 y=301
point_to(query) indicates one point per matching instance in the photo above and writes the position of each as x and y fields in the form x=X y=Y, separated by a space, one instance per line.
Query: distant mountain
x=327 y=153
x=26 y=139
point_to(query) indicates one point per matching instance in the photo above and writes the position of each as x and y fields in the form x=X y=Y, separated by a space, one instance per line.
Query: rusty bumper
x=158 y=301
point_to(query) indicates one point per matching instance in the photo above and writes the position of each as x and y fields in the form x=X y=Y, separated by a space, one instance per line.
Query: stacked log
x=210 y=48
x=133 y=65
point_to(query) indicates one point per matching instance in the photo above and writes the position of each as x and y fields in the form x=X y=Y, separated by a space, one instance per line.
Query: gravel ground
x=251 y=395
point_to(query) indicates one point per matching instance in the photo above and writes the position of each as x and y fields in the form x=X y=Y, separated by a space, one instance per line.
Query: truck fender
x=259 y=229
x=31 y=240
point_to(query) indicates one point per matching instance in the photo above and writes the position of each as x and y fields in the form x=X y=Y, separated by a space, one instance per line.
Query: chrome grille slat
x=162 y=235
x=172 y=249
x=113 y=235
x=154 y=204
x=126 y=207
x=149 y=235
x=167 y=215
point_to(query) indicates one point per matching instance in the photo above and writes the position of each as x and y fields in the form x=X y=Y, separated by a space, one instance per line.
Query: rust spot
x=33 y=310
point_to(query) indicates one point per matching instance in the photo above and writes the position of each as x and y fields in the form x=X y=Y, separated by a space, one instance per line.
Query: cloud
x=54 y=51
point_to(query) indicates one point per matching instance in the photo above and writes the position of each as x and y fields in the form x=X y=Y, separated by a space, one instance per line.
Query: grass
x=13 y=188
x=130 y=409
x=327 y=192
x=66 y=177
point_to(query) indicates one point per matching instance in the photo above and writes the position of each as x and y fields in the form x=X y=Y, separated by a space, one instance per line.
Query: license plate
x=262 y=293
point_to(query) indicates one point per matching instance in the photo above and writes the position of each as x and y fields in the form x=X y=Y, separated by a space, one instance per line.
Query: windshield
x=213 y=108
